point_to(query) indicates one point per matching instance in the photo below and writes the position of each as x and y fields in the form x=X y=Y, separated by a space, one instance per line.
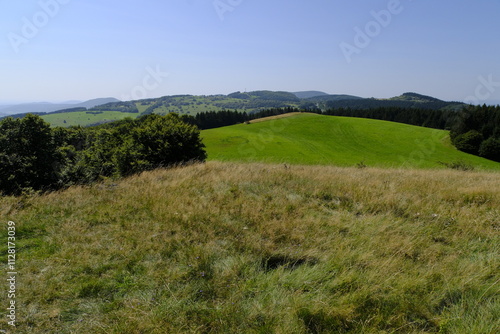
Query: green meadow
x=84 y=118
x=326 y=140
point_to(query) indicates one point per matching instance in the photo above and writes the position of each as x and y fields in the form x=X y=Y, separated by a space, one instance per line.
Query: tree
x=167 y=140
x=28 y=155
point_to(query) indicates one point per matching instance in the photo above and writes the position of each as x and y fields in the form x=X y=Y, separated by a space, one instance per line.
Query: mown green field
x=326 y=140
x=83 y=118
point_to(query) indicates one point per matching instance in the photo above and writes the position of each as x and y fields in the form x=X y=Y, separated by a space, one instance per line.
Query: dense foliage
x=128 y=107
x=477 y=131
x=34 y=156
x=28 y=154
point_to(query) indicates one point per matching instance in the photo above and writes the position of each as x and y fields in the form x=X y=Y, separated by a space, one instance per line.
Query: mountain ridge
x=47 y=107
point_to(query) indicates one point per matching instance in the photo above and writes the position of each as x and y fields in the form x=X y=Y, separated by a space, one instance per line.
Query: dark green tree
x=29 y=157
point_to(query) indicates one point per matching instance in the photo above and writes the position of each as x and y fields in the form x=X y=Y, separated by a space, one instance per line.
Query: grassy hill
x=254 y=248
x=316 y=139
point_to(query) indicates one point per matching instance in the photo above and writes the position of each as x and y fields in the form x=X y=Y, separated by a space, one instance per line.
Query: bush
x=469 y=142
x=167 y=140
x=490 y=149
x=129 y=147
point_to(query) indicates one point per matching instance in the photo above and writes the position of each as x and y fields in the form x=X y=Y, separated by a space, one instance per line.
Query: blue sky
x=57 y=50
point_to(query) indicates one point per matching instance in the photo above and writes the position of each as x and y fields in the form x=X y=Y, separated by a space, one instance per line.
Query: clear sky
x=58 y=50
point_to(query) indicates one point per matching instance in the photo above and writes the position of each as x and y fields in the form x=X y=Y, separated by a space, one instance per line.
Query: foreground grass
x=342 y=141
x=235 y=248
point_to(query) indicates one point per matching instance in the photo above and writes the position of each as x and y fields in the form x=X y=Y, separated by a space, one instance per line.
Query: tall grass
x=255 y=248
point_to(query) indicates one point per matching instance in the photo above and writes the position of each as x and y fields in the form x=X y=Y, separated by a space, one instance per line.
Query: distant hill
x=265 y=95
x=309 y=94
x=414 y=97
x=96 y=102
x=407 y=100
x=45 y=107
x=334 y=97
x=100 y=111
x=3 y=114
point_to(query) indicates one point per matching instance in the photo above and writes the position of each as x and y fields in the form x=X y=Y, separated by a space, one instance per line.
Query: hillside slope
x=315 y=139
x=237 y=248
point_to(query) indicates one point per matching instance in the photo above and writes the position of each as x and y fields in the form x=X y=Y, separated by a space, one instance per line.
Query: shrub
x=469 y=142
x=490 y=149
x=166 y=140
x=458 y=165
x=129 y=147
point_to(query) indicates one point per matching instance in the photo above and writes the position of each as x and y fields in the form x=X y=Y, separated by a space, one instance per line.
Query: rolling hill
x=249 y=102
x=326 y=140
x=406 y=100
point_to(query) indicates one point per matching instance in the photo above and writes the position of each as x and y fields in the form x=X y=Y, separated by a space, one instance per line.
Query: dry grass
x=270 y=118
x=254 y=248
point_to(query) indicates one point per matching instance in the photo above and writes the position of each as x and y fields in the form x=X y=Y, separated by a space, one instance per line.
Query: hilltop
x=343 y=141
x=308 y=94
x=406 y=100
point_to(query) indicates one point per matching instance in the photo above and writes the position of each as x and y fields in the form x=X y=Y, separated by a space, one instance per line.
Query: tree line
x=477 y=131
x=216 y=119
x=34 y=156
